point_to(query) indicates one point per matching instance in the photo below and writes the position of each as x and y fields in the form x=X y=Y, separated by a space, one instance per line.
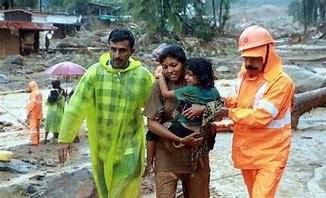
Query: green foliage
x=80 y=6
x=69 y=5
x=172 y=17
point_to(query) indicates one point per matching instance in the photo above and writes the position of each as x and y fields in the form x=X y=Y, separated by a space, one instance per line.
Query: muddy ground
x=305 y=175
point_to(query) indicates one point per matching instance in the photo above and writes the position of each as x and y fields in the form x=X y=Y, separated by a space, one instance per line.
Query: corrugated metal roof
x=26 y=25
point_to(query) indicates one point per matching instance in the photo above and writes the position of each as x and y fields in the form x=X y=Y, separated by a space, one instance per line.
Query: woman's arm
x=158 y=129
x=166 y=93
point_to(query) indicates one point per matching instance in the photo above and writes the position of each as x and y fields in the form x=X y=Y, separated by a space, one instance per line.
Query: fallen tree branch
x=305 y=102
x=12 y=92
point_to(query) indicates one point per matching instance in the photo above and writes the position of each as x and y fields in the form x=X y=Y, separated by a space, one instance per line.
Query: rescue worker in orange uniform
x=34 y=112
x=261 y=113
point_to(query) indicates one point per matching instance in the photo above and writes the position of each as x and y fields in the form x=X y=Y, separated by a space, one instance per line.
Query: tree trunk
x=304 y=17
x=307 y=101
x=214 y=14
x=220 y=15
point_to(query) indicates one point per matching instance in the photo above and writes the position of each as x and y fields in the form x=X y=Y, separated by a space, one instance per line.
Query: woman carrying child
x=172 y=159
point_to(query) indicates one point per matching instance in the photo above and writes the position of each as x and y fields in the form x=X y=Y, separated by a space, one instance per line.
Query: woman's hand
x=192 y=140
x=194 y=111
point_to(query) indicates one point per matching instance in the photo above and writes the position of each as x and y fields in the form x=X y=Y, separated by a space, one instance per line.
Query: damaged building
x=18 y=34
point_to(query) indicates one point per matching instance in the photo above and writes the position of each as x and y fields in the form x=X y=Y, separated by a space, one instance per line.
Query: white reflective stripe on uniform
x=259 y=103
x=281 y=122
x=264 y=104
x=259 y=94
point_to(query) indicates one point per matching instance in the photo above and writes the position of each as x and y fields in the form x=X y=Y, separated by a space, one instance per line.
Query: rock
x=191 y=41
x=30 y=189
x=5 y=156
x=13 y=190
x=304 y=80
x=17 y=166
x=222 y=69
x=37 y=177
x=15 y=59
x=72 y=42
x=4 y=79
x=77 y=182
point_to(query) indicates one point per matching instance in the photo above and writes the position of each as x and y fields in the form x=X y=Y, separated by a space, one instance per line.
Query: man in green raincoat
x=110 y=96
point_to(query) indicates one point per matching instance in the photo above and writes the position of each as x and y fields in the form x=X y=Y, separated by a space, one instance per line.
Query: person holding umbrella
x=65 y=69
x=110 y=96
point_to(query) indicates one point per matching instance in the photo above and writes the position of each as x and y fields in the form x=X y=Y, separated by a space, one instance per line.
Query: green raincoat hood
x=105 y=58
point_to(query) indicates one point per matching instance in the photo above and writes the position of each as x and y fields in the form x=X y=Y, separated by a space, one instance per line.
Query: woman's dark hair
x=203 y=69
x=121 y=34
x=173 y=51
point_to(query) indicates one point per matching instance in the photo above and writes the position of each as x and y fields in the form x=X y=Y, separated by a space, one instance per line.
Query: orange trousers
x=34 y=129
x=262 y=183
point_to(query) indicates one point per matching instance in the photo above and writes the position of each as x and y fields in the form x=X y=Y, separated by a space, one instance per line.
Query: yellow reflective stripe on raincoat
x=111 y=100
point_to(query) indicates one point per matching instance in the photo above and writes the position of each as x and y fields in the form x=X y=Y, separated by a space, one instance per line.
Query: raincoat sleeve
x=277 y=97
x=80 y=103
x=147 y=86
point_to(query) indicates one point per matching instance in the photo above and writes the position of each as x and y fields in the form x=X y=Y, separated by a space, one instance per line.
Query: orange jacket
x=262 y=117
x=34 y=103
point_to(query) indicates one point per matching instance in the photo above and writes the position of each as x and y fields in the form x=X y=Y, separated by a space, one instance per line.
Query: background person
x=261 y=112
x=110 y=96
x=56 y=104
x=34 y=112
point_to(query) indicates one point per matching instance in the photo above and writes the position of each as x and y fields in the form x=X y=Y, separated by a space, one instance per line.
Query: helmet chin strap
x=266 y=58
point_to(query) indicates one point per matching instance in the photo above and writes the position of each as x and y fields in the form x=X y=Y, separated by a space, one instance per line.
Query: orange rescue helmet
x=254 y=36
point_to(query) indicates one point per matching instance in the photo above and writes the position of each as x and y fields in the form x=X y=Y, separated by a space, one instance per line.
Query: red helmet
x=254 y=36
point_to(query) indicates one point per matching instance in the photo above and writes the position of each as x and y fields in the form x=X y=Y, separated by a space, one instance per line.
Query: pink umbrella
x=65 y=69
